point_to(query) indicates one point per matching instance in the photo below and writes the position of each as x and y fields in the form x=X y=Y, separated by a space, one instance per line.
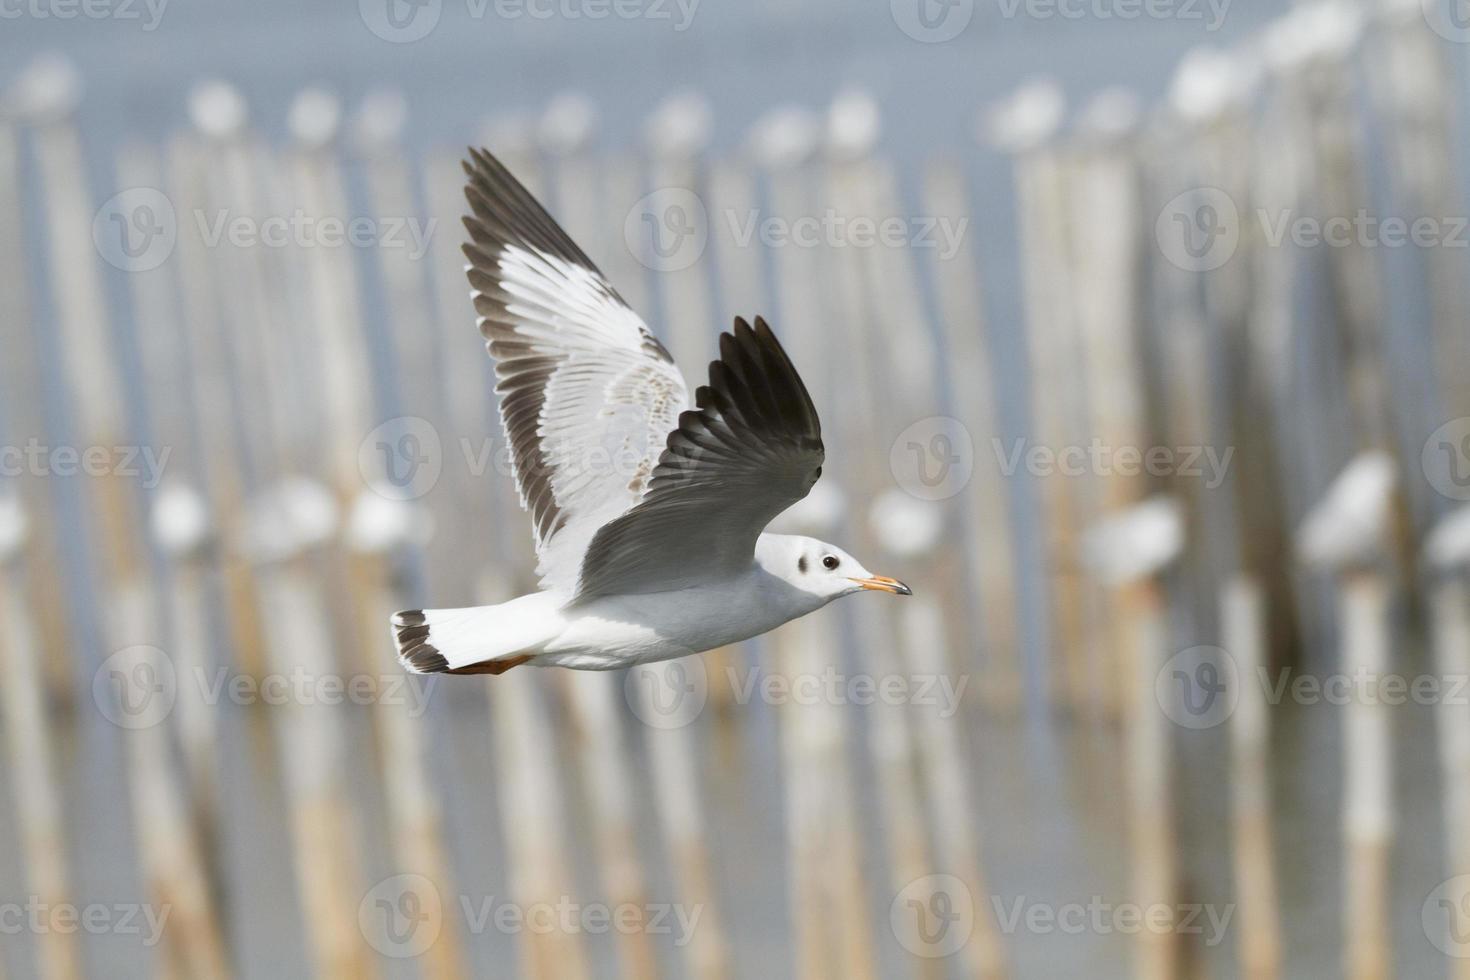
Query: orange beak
x=882 y=583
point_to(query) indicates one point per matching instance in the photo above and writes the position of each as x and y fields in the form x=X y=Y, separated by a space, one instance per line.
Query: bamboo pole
x=382 y=527
x=534 y=822
x=31 y=750
x=329 y=290
x=168 y=841
x=1446 y=553
x=1348 y=534
x=828 y=887
x=1024 y=127
x=1243 y=620
x=20 y=380
x=1130 y=552
x=988 y=542
x=946 y=770
x=181 y=524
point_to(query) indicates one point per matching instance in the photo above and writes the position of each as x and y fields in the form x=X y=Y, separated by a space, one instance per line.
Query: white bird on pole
x=649 y=517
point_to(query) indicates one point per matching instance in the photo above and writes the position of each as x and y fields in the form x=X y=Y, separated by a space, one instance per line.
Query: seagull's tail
x=477 y=640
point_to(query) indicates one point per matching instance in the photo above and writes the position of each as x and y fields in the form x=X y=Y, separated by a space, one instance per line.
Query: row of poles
x=281 y=538
x=1162 y=312
x=284 y=533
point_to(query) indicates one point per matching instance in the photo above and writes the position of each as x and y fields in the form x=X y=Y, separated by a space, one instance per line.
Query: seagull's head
x=819 y=571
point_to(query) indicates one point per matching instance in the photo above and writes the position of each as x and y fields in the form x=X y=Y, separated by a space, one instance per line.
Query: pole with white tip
x=1129 y=552
x=1347 y=535
x=1025 y=126
x=909 y=528
x=988 y=542
x=1447 y=554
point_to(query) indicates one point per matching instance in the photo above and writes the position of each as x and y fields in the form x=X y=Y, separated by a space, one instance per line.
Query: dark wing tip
x=411 y=632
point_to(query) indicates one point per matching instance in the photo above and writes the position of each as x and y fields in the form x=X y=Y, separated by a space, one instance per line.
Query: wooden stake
x=988 y=544
x=942 y=746
x=1446 y=553
x=1243 y=620
x=1024 y=127
x=1347 y=534
x=20 y=381
x=32 y=753
x=1130 y=551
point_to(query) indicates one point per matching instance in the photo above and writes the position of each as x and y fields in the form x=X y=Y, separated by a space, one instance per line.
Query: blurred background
x=1138 y=329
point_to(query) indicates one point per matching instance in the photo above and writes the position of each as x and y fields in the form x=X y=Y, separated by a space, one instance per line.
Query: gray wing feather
x=750 y=448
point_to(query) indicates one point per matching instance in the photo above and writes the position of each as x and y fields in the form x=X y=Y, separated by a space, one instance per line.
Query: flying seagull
x=649 y=517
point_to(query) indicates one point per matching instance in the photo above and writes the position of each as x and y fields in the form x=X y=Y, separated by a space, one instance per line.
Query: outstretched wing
x=587 y=394
x=750 y=448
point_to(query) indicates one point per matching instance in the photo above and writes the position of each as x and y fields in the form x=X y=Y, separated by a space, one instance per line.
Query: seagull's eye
x=830 y=562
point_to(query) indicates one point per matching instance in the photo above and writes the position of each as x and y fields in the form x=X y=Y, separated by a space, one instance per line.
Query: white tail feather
x=475 y=639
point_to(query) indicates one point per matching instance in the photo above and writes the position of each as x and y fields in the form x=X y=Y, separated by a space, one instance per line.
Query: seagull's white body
x=648 y=514
x=615 y=631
